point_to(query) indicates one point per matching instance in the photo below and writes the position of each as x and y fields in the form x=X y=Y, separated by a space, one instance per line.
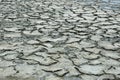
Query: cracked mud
x=59 y=40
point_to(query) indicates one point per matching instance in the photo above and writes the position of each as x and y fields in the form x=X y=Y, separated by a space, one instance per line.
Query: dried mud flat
x=59 y=40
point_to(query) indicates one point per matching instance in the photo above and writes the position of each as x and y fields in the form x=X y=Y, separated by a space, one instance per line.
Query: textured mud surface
x=59 y=40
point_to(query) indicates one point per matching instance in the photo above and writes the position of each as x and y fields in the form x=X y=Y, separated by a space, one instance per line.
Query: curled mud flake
x=70 y=40
x=91 y=69
x=91 y=57
x=56 y=50
x=11 y=29
x=96 y=37
x=32 y=62
x=88 y=77
x=93 y=50
x=46 y=61
x=107 y=45
x=79 y=60
x=61 y=73
x=32 y=42
x=113 y=70
x=52 y=69
x=71 y=48
x=18 y=61
x=10 y=57
x=87 y=44
x=7 y=47
x=110 y=54
x=106 y=77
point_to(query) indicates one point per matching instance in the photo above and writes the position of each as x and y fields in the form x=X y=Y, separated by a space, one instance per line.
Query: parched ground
x=59 y=40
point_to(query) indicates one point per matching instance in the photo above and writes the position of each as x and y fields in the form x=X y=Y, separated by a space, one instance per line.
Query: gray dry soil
x=59 y=39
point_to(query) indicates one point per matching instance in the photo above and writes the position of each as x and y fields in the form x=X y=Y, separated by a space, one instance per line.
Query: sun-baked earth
x=59 y=40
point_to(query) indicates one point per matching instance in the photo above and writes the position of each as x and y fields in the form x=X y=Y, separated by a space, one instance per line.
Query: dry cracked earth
x=59 y=40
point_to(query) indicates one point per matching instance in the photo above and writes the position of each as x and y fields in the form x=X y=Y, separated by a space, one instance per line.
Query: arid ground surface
x=60 y=40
